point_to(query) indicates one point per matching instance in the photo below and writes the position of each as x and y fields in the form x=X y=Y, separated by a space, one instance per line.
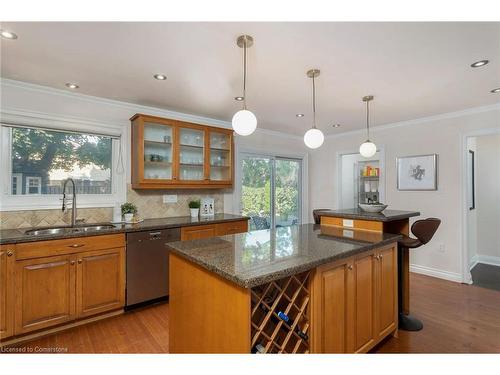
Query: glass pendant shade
x=314 y=138
x=368 y=149
x=244 y=122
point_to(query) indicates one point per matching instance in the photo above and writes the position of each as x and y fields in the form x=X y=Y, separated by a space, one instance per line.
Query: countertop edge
x=368 y=217
x=283 y=273
x=125 y=229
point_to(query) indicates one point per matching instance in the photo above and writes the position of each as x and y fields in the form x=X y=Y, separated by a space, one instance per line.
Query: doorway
x=361 y=180
x=482 y=210
x=271 y=190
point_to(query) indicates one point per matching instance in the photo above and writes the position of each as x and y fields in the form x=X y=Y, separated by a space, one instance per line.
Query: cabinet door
x=221 y=156
x=100 y=281
x=198 y=232
x=387 y=291
x=45 y=292
x=6 y=291
x=192 y=155
x=232 y=227
x=364 y=301
x=333 y=291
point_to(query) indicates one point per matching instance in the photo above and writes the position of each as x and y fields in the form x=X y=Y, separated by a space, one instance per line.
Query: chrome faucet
x=73 y=207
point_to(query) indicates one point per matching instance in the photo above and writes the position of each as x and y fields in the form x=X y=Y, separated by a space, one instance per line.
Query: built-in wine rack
x=285 y=298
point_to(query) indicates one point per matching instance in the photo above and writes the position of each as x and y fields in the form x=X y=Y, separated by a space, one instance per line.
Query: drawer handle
x=76 y=245
x=10 y=253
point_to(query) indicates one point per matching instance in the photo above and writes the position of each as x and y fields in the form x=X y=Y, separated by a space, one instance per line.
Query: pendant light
x=368 y=148
x=314 y=137
x=244 y=121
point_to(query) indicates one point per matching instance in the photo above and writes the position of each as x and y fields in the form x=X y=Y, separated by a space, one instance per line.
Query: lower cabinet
x=6 y=291
x=354 y=304
x=211 y=230
x=49 y=283
x=100 y=284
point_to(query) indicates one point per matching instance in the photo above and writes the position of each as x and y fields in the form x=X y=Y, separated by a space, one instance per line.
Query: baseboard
x=485 y=259
x=473 y=262
x=446 y=275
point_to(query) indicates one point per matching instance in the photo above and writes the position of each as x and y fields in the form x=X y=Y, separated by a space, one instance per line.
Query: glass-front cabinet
x=174 y=154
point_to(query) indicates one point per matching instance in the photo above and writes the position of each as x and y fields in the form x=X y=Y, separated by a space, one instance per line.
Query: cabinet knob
x=72 y=262
x=10 y=253
x=349 y=267
x=80 y=261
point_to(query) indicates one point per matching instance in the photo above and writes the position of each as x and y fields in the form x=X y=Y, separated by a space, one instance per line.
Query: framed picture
x=417 y=172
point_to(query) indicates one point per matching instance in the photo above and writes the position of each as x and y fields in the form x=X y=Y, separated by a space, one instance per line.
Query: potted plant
x=194 y=207
x=128 y=211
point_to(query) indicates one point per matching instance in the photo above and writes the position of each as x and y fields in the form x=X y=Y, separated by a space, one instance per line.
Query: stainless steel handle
x=154 y=233
x=10 y=253
x=75 y=245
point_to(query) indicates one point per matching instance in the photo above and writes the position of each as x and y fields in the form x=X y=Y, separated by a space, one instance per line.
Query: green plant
x=129 y=208
x=194 y=204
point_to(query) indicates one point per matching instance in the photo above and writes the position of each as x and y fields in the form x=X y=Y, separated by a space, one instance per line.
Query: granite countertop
x=10 y=236
x=255 y=258
x=357 y=213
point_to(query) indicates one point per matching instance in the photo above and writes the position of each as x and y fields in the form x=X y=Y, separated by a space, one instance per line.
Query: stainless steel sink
x=64 y=230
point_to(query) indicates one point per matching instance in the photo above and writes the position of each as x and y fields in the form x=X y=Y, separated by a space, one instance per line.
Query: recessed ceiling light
x=6 y=34
x=477 y=64
x=239 y=98
x=160 y=77
x=336 y=125
x=299 y=115
x=72 y=86
x=495 y=91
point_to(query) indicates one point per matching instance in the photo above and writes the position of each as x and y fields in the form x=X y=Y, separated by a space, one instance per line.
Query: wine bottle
x=258 y=349
x=289 y=322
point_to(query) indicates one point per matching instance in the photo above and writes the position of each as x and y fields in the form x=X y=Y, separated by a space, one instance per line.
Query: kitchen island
x=297 y=289
x=388 y=221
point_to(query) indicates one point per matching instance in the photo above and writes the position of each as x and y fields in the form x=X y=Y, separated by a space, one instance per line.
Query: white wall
x=442 y=135
x=488 y=198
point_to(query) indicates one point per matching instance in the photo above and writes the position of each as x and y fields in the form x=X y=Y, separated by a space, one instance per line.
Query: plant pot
x=194 y=212
x=128 y=217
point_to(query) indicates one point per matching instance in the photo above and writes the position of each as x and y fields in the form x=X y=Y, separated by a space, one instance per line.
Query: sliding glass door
x=270 y=190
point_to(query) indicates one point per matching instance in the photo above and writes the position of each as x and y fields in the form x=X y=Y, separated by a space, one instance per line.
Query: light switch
x=170 y=198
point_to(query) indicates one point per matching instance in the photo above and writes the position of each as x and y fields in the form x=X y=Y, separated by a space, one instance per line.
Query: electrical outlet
x=170 y=198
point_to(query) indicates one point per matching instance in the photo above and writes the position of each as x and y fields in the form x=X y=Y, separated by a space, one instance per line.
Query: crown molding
x=137 y=108
x=422 y=120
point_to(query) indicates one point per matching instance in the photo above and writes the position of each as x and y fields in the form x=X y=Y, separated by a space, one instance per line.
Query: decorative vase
x=194 y=212
x=128 y=217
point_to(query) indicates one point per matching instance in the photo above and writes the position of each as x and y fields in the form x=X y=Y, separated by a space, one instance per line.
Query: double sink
x=68 y=230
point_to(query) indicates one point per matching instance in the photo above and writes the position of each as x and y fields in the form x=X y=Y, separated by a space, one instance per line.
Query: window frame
x=21 y=202
x=27 y=186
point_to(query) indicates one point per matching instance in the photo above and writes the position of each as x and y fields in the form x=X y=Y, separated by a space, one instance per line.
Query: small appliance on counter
x=207 y=207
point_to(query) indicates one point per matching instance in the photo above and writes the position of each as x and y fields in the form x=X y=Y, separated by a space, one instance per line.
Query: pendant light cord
x=245 y=74
x=368 y=120
x=314 y=103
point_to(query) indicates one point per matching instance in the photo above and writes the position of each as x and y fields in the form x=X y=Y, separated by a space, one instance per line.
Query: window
x=39 y=160
x=271 y=189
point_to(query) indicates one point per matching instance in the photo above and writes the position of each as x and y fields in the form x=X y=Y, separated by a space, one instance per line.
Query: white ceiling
x=413 y=69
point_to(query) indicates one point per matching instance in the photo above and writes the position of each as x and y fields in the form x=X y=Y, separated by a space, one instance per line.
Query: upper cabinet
x=175 y=154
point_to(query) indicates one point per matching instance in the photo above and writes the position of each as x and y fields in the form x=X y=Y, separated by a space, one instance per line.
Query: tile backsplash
x=149 y=205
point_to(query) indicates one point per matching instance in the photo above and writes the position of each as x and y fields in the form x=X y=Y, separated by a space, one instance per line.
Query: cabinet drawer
x=231 y=227
x=198 y=232
x=68 y=246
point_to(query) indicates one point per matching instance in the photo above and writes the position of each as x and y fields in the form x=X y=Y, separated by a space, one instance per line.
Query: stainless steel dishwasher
x=147 y=265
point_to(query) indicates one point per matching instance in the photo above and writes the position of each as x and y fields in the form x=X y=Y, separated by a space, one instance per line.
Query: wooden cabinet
x=6 y=291
x=45 y=292
x=211 y=230
x=175 y=154
x=100 y=281
x=62 y=282
x=354 y=302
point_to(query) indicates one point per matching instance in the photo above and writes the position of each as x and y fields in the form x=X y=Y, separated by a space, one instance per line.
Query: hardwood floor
x=457 y=319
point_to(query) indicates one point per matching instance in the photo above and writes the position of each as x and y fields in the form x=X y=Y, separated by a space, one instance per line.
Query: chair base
x=409 y=323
